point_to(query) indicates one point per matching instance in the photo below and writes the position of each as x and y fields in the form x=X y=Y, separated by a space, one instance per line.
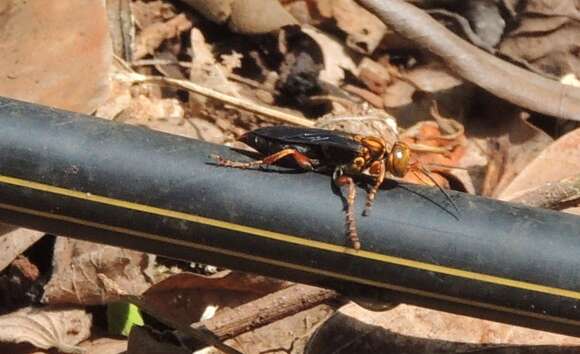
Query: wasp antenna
x=427 y=173
x=433 y=164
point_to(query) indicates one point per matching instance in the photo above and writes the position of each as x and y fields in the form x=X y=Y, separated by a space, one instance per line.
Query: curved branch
x=514 y=84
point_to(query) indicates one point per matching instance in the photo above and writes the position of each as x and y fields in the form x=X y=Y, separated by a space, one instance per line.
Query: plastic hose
x=83 y=177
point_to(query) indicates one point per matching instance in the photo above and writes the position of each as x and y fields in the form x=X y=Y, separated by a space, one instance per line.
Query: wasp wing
x=309 y=136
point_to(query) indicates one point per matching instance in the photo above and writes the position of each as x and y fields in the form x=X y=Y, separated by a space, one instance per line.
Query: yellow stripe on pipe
x=291 y=239
x=193 y=245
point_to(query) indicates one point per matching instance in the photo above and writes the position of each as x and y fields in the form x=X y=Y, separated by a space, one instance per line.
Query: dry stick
x=550 y=195
x=207 y=92
x=505 y=80
x=270 y=308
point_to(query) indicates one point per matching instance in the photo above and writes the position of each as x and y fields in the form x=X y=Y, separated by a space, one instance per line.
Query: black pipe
x=83 y=177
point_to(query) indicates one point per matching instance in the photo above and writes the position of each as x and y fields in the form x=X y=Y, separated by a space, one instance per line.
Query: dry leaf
x=570 y=79
x=336 y=57
x=47 y=328
x=559 y=160
x=78 y=264
x=56 y=53
x=152 y=36
x=399 y=94
x=506 y=123
x=289 y=335
x=259 y=16
x=185 y=296
x=433 y=77
x=104 y=346
x=374 y=75
x=205 y=70
x=147 y=13
x=547 y=36
x=231 y=61
x=218 y=11
x=364 y=30
x=15 y=241
x=117 y=102
x=410 y=329
x=162 y=114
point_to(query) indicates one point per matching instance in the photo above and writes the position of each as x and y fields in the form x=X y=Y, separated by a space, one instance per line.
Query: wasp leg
x=378 y=171
x=302 y=160
x=350 y=219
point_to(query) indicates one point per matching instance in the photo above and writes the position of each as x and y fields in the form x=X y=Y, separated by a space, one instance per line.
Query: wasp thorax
x=398 y=163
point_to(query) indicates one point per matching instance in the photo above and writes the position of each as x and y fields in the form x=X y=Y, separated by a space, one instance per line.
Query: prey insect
x=346 y=155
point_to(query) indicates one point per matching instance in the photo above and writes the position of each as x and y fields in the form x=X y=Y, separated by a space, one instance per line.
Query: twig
x=552 y=194
x=270 y=308
x=204 y=91
x=156 y=61
x=505 y=80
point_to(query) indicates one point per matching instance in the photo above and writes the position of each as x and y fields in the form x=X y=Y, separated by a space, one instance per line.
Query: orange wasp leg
x=302 y=160
x=350 y=219
x=378 y=171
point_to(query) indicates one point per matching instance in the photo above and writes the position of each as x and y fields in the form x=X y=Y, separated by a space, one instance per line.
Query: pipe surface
x=83 y=177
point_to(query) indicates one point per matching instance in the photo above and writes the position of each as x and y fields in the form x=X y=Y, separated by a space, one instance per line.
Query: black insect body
x=321 y=147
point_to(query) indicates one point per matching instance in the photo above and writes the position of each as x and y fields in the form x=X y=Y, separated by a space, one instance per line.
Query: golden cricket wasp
x=346 y=155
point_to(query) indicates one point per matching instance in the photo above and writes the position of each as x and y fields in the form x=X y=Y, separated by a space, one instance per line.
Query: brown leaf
x=152 y=36
x=364 y=30
x=410 y=329
x=78 y=264
x=433 y=77
x=104 y=346
x=205 y=70
x=559 y=160
x=506 y=123
x=117 y=102
x=184 y=297
x=289 y=335
x=47 y=328
x=259 y=16
x=547 y=37
x=374 y=75
x=147 y=13
x=56 y=53
x=14 y=241
x=337 y=59
x=218 y=11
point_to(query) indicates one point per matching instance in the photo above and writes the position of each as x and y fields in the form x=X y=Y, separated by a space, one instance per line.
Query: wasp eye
x=359 y=162
x=399 y=159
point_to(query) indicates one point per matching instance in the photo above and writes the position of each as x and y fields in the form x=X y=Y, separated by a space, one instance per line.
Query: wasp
x=346 y=155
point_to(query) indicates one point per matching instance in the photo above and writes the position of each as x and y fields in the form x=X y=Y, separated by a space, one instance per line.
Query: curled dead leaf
x=152 y=36
x=47 y=328
x=364 y=30
x=78 y=266
x=559 y=160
